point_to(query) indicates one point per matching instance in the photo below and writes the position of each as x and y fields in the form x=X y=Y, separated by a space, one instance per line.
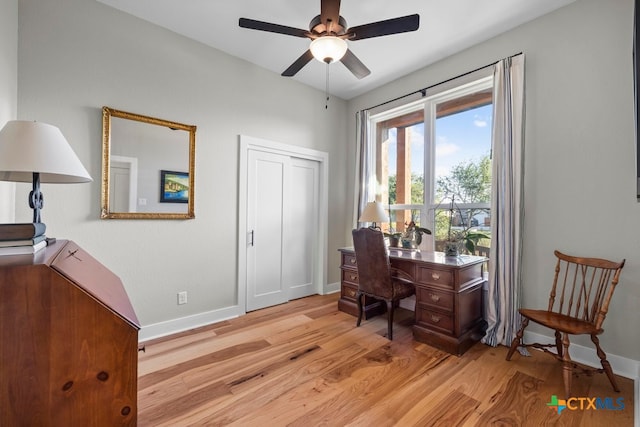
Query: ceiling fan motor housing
x=317 y=27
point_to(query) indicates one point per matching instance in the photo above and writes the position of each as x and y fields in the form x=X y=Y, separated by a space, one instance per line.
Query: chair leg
x=559 y=343
x=518 y=339
x=390 y=320
x=359 y=296
x=567 y=365
x=605 y=363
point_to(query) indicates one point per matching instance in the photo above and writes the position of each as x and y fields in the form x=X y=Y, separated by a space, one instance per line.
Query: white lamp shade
x=328 y=48
x=373 y=212
x=27 y=147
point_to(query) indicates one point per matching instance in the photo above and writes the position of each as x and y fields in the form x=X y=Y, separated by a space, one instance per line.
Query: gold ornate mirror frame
x=158 y=160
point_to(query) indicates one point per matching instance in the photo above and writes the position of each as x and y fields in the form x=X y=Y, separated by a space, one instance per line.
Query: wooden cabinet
x=448 y=311
x=69 y=338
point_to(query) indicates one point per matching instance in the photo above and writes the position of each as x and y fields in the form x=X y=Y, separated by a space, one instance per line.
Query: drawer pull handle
x=352 y=260
x=353 y=277
x=434 y=297
x=435 y=319
x=435 y=276
x=352 y=293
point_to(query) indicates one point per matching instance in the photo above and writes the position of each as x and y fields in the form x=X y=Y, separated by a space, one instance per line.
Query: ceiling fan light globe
x=328 y=49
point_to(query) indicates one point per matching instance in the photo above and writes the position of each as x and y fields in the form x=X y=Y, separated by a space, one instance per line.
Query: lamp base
x=36 y=199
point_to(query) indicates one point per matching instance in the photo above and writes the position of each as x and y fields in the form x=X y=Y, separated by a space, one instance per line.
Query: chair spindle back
x=583 y=287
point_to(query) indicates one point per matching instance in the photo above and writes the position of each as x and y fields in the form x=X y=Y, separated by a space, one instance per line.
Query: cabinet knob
x=352 y=260
x=434 y=297
x=435 y=276
x=435 y=319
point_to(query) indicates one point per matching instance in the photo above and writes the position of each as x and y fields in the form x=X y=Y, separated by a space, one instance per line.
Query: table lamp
x=374 y=213
x=38 y=152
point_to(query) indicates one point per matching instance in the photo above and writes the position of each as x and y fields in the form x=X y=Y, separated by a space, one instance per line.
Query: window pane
x=450 y=224
x=462 y=160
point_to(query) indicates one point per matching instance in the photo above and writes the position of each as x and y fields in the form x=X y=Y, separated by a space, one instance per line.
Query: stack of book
x=19 y=239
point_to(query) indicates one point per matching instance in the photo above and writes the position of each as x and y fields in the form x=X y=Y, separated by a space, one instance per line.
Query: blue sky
x=459 y=137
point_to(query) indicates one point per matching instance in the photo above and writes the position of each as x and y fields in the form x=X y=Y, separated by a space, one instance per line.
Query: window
x=433 y=162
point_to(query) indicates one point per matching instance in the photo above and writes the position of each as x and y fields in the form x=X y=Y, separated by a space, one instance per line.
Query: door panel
x=266 y=214
x=303 y=227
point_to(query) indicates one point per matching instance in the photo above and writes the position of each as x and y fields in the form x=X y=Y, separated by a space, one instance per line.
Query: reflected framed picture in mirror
x=138 y=152
x=174 y=187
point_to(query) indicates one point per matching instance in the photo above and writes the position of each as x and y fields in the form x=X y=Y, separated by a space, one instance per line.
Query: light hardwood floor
x=305 y=363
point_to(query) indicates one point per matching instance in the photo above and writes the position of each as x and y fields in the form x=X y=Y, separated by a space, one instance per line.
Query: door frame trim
x=247 y=143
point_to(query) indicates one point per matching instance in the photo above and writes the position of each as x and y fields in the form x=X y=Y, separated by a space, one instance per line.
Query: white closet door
x=267 y=208
x=282 y=228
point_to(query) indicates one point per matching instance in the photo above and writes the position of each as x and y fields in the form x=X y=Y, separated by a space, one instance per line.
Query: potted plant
x=394 y=238
x=412 y=237
x=465 y=237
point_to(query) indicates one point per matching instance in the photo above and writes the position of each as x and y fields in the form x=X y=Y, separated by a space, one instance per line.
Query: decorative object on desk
x=17 y=232
x=38 y=153
x=23 y=249
x=373 y=213
x=412 y=237
x=465 y=237
x=174 y=187
x=23 y=242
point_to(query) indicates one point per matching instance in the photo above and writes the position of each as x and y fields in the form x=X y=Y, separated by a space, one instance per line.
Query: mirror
x=148 y=167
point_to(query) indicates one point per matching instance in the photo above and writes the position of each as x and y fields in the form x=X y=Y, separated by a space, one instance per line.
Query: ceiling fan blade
x=330 y=11
x=355 y=65
x=403 y=24
x=272 y=28
x=298 y=64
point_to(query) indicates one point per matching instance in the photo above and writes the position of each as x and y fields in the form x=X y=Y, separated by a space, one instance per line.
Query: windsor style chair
x=578 y=304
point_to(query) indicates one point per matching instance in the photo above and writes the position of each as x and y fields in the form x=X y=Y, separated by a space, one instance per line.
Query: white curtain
x=363 y=173
x=506 y=202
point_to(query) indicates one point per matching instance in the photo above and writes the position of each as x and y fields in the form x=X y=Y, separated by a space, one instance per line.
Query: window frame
x=449 y=92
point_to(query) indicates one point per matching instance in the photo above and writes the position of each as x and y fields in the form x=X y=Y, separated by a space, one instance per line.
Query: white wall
x=76 y=56
x=8 y=91
x=579 y=150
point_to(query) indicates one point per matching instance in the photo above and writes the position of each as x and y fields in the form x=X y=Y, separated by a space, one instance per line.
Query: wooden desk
x=448 y=313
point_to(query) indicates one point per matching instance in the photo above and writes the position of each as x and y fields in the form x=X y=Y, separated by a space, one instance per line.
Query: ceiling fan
x=328 y=33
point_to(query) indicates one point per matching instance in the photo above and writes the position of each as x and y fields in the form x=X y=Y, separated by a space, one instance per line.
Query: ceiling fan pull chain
x=326 y=89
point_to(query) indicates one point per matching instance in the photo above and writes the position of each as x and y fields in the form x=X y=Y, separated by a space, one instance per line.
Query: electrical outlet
x=182 y=297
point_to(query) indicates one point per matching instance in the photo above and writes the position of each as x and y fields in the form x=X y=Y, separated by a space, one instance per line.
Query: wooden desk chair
x=376 y=277
x=578 y=304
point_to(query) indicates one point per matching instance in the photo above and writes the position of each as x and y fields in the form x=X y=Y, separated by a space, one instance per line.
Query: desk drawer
x=349 y=291
x=349 y=260
x=434 y=277
x=435 y=320
x=437 y=298
x=350 y=276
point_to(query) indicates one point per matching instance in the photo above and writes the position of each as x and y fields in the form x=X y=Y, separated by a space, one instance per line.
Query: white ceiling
x=446 y=27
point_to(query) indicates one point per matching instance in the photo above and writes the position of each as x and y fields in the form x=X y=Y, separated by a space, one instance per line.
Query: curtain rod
x=424 y=90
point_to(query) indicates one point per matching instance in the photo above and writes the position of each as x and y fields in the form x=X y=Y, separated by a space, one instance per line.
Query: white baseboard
x=161 y=329
x=622 y=366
